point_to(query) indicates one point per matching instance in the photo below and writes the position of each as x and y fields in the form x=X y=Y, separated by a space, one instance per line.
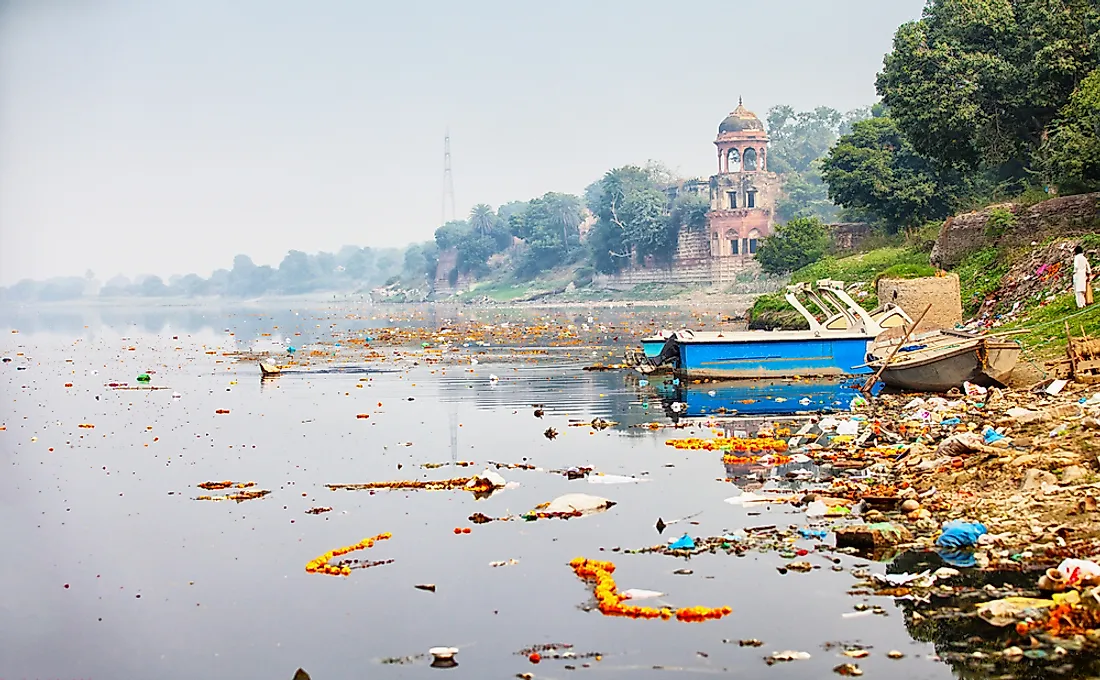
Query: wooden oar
x=870 y=383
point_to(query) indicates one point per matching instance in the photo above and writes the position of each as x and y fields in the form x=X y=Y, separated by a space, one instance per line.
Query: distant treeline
x=350 y=269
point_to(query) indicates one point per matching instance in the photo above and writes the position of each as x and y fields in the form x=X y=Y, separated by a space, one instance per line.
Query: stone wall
x=848 y=235
x=1065 y=216
x=448 y=260
x=711 y=270
x=914 y=295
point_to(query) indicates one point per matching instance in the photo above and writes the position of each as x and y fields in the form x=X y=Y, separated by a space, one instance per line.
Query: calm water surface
x=161 y=585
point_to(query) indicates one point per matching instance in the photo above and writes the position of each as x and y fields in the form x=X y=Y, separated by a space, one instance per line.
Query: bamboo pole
x=871 y=383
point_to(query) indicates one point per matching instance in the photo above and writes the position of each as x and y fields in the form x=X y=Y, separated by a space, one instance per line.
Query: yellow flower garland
x=320 y=565
x=611 y=602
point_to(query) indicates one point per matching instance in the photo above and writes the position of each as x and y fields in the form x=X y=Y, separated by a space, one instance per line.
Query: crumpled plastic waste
x=848 y=427
x=639 y=594
x=1006 y=611
x=1080 y=571
x=578 y=502
x=922 y=580
x=960 y=444
x=789 y=655
x=750 y=498
x=992 y=436
x=973 y=390
x=685 y=542
x=817 y=509
x=960 y=534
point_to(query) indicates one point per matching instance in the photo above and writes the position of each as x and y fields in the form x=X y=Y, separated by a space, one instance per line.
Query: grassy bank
x=896 y=261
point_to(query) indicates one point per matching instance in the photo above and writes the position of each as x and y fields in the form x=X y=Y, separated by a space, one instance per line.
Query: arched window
x=731 y=236
x=750 y=160
x=734 y=160
x=753 y=240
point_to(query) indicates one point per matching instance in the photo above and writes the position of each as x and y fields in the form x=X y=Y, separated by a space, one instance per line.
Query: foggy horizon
x=166 y=138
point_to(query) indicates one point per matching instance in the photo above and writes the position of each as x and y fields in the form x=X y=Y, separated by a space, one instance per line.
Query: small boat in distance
x=938 y=360
x=269 y=370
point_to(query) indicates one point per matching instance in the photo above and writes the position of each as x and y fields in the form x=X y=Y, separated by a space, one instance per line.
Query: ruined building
x=742 y=211
x=743 y=193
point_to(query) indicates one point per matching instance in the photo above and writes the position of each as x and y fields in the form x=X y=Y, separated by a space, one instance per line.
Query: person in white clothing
x=1082 y=275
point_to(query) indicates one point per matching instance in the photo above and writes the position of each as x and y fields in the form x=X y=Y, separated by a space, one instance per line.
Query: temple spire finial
x=740 y=101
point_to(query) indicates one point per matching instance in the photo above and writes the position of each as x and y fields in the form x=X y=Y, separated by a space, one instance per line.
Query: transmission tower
x=448 y=180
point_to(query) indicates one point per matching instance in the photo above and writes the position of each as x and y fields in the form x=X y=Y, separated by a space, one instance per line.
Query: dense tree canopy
x=632 y=217
x=1073 y=149
x=799 y=139
x=975 y=83
x=875 y=169
x=550 y=227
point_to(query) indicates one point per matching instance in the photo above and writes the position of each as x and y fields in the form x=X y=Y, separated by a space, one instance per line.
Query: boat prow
x=940 y=360
x=269 y=370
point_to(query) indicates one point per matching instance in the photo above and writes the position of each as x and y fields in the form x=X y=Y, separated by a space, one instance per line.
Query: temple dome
x=740 y=120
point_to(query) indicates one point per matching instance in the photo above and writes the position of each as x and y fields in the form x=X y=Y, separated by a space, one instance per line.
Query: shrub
x=1000 y=221
x=793 y=245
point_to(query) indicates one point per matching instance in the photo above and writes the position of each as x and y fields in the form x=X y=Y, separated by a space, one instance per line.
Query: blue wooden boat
x=772 y=354
x=819 y=351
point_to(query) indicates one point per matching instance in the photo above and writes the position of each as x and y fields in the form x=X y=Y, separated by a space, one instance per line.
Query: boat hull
x=775 y=357
x=982 y=364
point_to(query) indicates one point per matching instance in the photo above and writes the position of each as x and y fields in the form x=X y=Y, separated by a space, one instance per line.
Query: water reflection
x=967 y=643
x=757 y=397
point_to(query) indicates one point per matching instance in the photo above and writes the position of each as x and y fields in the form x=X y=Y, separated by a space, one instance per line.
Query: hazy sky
x=165 y=136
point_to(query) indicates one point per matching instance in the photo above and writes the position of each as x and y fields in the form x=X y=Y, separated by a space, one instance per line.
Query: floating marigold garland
x=753 y=446
x=212 y=486
x=482 y=485
x=730 y=459
x=244 y=493
x=320 y=565
x=611 y=603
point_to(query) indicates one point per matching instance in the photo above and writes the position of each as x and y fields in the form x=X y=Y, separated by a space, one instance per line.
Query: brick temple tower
x=743 y=193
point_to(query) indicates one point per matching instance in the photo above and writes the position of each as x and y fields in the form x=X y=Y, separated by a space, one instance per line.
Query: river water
x=112 y=569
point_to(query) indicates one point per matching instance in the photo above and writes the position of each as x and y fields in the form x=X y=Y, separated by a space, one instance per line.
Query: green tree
x=646 y=228
x=974 y=83
x=474 y=252
x=482 y=219
x=876 y=170
x=1072 y=151
x=799 y=139
x=689 y=211
x=631 y=219
x=549 y=226
x=805 y=195
x=793 y=245
x=451 y=233
x=297 y=273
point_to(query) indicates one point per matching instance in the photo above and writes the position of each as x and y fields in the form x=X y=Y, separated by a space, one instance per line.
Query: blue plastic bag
x=992 y=436
x=685 y=542
x=960 y=534
x=813 y=533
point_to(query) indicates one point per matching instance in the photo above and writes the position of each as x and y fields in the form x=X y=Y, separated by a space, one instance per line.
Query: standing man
x=1082 y=275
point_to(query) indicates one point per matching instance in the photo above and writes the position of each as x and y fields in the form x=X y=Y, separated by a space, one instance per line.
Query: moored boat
x=268 y=370
x=818 y=351
x=939 y=360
